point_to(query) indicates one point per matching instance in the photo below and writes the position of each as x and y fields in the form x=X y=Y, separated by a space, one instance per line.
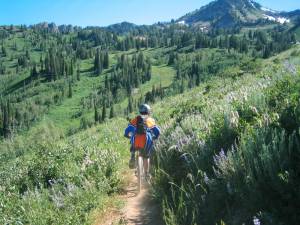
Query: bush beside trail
x=234 y=158
x=54 y=179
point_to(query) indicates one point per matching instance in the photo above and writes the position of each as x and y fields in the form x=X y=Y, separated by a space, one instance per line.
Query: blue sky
x=105 y=12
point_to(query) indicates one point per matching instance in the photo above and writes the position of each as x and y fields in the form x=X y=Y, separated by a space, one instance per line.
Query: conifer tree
x=106 y=60
x=34 y=73
x=97 y=63
x=70 y=93
x=103 y=112
x=96 y=114
x=4 y=52
x=130 y=107
x=6 y=120
x=111 y=114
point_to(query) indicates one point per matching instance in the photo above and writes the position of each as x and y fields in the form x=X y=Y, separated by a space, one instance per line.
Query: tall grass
x=58 y=180
x=233 y=158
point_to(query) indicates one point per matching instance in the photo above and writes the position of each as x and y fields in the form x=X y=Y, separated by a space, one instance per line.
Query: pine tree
x=106 y=60
x=4 y=52
x=34 y=73
x=6 y=120
x=182 y=86
x=97 y=63
x=140 y=60
x=171 y=59
x=41 y=64
x=70 y=94
x=103 y=112
x=130 y=107
x=27 y=55
x=96 y=114
x=111 y=114
x=71 y=68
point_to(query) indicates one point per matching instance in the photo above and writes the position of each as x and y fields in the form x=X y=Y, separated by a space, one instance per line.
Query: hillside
x=227 y=101
x=223 y=157
x=232 y=13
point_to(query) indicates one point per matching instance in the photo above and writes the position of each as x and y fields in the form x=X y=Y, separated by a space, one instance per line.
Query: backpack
x=141 y=127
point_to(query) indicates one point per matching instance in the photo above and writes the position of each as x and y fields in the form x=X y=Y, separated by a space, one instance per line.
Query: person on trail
x=142 y=131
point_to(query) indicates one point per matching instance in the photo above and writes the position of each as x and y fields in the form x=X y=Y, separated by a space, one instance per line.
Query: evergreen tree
x=98 y=63
x=171 y=59
x=41 y=65
x=4 y=52
x=6 y=119
x=130 y=107
x=103 y=112
x=34 y=73
x=27 y=54
x=96 y=114
x=140 y=60
x=111 y=113
x=106 y=60
x=70 y=93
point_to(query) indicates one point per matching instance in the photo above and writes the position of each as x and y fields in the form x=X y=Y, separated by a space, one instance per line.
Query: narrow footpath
x=139 y=209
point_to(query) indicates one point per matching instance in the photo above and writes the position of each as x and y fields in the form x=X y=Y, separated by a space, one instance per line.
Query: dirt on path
x=140 y=208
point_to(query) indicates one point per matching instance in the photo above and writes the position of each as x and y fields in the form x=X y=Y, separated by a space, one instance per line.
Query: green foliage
x=56 y=179
x=50 y=178
x=226 y=156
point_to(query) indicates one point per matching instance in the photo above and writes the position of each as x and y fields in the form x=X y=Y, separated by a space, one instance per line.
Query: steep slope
x=228 y=13
x=208 y=172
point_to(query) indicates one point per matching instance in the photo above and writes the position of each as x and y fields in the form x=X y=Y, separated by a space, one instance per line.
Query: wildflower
x=218 y=159
x=206 y=179
x=234 y=119
x=190 y=177
x=254 y=110
x=256 y=221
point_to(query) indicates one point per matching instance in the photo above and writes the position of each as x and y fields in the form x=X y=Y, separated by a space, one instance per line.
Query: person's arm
x=129 y=131
x=155 y=131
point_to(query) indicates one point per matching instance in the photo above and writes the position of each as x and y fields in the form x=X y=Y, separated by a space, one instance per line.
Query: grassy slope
x=209 y=107
x=109 y=135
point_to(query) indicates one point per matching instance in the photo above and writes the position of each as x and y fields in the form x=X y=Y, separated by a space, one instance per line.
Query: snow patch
x=281 y=20
x=181 y=22
x=269 y=17
x=251 y=2
x=203 y=28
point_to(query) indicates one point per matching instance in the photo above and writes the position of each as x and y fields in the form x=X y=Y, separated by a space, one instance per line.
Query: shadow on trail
x=141 y=209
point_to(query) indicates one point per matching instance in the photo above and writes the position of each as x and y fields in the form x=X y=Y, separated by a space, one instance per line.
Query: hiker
x=142 y=130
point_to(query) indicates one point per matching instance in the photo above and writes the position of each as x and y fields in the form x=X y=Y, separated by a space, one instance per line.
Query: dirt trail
x=140 y=209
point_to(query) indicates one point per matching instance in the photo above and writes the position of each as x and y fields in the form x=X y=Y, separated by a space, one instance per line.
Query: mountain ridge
x=229 y=13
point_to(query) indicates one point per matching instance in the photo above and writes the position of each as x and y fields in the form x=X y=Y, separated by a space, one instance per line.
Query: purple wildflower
x=206 y=179
x=256 y=221
x=220 y=157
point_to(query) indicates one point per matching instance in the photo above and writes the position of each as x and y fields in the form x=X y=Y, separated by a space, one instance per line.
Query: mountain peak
x=229 y=13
